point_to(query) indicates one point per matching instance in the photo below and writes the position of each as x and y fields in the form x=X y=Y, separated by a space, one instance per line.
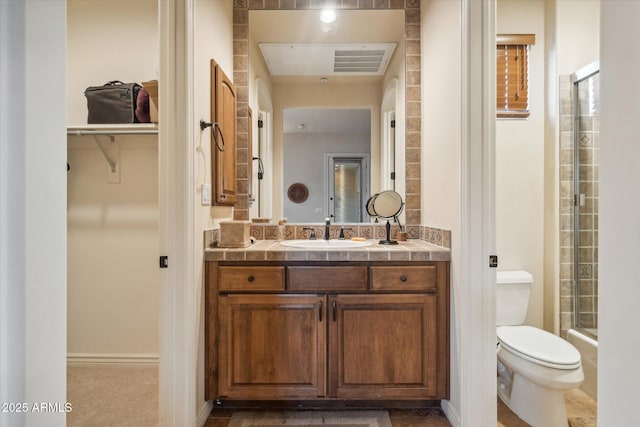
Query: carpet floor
x=112 y=396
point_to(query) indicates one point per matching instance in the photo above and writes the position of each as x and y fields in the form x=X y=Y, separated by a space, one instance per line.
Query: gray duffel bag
x=113 y=102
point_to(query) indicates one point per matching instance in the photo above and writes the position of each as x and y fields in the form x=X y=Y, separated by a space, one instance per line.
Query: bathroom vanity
x=289 y=324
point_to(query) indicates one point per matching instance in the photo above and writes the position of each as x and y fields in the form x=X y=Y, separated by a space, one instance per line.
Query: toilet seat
x=538 y=346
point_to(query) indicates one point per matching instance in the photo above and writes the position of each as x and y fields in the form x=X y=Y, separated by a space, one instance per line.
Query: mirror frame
x=413 y=91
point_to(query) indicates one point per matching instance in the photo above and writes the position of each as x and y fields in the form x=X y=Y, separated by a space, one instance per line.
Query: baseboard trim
x=204 y=413
x=150 y=359
x=452 y=413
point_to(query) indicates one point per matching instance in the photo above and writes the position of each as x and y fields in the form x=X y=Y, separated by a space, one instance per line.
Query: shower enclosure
x=579 y=201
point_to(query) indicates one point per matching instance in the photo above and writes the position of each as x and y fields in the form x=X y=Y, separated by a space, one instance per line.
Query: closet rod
x=113 y=132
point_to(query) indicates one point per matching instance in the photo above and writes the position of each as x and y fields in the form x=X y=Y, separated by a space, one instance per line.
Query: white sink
x=324 y=244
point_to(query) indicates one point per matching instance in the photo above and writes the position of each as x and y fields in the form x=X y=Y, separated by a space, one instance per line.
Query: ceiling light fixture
x=328 y=16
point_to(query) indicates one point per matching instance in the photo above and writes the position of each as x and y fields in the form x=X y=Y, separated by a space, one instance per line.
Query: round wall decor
x=298 y=192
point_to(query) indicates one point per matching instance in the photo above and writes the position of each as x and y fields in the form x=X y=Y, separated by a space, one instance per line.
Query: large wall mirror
x=336 y=107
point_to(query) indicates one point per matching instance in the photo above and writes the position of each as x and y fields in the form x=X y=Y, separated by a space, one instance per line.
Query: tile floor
x=581 y=411
x=399 y=418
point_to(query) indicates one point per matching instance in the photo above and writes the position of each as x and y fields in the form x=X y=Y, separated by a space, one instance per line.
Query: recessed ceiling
x=296 y=43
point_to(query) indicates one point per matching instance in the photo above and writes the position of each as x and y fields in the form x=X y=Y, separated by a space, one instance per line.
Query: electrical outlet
x=205 y=193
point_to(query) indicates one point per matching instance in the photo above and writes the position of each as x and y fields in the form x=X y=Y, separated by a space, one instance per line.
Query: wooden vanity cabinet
x=382 y=346
x=272 y=346
x=341 y=331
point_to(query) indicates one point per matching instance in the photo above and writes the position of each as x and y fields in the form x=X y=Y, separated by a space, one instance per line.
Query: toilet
x=535 y=367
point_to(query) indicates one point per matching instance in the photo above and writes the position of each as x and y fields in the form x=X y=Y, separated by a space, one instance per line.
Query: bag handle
x=113 y=83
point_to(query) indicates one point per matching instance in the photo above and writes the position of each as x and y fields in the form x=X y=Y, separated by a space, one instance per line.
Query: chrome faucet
x=327 y=224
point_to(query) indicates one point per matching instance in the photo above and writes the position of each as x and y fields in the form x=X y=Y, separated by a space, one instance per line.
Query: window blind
x=512 y=72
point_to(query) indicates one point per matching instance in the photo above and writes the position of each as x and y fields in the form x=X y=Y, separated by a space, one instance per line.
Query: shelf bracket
x=112 y=163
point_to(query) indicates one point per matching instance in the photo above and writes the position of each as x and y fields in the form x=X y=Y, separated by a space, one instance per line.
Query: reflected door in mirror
x=348 y=188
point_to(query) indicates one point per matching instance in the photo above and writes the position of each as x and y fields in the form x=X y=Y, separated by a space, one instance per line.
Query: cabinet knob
x=250 y=278
x=403 y=278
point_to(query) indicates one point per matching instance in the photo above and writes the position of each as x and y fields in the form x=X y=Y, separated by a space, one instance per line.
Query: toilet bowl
x=535 y=367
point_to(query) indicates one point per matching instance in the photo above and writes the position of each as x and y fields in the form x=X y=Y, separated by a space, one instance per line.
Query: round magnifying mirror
x=369 y=206
x=386 y=204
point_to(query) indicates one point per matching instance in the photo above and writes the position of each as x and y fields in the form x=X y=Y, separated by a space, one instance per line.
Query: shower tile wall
x=588 y=175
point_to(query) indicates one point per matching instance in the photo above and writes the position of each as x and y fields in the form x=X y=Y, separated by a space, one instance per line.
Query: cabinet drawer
x=251 y=278
x=407 y=278
x=327 y=279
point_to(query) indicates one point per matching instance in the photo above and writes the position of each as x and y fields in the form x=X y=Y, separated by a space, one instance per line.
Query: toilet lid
x=539 y=346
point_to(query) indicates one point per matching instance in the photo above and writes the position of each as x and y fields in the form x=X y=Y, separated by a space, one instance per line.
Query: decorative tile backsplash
x=436 y=236
x=431 y=235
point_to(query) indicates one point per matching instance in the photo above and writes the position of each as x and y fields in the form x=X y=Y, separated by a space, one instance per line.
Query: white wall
x=113 y=250
x=32 y=210
x=578 y=33
x=105 y=44
x=441 y=149
x=519 y=160
x=619 y=293
x=113 y=235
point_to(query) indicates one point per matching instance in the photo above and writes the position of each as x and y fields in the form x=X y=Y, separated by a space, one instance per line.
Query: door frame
x=388 y=136
x=265 y=149
x=178 y=330
x=474 y=296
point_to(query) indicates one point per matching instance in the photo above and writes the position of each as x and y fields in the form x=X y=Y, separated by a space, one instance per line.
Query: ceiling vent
x=358 y=61
x=327 y=59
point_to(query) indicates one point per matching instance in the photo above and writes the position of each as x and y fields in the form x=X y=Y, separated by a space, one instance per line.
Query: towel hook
x=215 y=126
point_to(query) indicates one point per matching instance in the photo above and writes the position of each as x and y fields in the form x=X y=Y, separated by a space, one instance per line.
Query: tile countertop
x=272 y=250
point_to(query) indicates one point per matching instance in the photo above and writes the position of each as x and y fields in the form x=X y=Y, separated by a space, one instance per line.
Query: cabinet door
x=272 y=346
x=223 y=137
x=382 y=346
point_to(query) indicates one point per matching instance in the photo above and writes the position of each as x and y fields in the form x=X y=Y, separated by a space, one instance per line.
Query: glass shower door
x=586 y=89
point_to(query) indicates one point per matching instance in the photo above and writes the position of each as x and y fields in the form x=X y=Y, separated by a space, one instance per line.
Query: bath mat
x=310 y=419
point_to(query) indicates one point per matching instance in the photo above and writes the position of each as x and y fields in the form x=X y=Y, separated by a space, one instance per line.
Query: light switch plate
x=205 y=193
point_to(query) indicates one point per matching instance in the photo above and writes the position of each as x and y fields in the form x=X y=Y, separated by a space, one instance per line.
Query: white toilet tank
x=512 y=296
